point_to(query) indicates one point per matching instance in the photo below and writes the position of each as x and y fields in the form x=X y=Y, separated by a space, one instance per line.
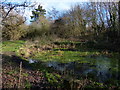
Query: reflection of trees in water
x=103 y=66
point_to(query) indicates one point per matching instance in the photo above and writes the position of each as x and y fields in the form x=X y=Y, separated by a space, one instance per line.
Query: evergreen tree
x=38 y=12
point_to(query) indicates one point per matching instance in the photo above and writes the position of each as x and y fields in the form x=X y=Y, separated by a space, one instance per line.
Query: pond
x=103 y=69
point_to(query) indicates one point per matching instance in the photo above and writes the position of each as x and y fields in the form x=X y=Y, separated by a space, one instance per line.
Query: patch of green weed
x=12 y=72
x=53 y=78
x=27 y=84
x=25 y=74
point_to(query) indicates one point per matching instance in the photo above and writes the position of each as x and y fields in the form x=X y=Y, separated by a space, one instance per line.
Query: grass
x=65 y=56
x=12 y=46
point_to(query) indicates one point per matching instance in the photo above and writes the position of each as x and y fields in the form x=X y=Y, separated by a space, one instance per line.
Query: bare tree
x=8 y=7
x=53 y=13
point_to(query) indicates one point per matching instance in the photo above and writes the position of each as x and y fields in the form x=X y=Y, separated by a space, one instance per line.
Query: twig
x=19 y=84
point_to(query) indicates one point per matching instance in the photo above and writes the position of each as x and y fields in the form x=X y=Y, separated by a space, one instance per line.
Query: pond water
x=102 y=70
x=32 y=61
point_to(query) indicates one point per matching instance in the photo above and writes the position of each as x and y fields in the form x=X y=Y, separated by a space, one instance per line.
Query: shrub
x=39 y=28
x=13 y=27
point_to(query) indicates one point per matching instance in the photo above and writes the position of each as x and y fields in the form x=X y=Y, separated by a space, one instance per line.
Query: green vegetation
x=79 y=47
x=25 y=74
x=12 y=46
x=53 y=78
x=11 y=72
x=27 y=85
x=62 y=55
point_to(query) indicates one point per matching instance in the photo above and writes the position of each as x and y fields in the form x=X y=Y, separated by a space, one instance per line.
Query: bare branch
x=11 y=6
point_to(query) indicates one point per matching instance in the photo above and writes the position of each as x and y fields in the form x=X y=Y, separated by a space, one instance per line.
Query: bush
x=13 y=27
x=38 y=28
x=14 y=33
